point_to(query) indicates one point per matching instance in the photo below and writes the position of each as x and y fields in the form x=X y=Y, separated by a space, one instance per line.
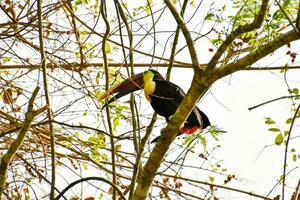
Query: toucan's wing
x=166 y=98
x=175 y=95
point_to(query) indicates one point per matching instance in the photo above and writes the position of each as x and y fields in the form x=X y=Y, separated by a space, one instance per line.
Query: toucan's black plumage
x=164 y=97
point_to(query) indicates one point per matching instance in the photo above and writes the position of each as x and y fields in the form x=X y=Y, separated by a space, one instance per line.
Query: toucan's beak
x=127 y=86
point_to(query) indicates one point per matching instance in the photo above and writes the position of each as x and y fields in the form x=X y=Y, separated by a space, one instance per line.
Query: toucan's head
x=131 y=84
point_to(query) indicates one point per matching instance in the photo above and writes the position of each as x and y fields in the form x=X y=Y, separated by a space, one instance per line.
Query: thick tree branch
x=263 y=51
x=168 y=135
x=179 y=117
x=298 y=17
x=257 y=22
x=15 y=145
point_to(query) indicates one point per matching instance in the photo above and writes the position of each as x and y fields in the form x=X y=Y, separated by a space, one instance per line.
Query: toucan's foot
x=155 y=140
x=169 y=118
x=161 y=132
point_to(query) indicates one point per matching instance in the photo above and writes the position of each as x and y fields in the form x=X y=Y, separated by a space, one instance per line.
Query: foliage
x=73 y=37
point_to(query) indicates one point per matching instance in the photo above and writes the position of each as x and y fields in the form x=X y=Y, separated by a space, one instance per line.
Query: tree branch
x=263 y=51
x=76 y=66
x=89 y=179
x=273 y=100
x=286 y=150
x=104 y=42
x=179 y=117
x=15 y=145
x=47 y=96
x=186 y=33
x=257 y=22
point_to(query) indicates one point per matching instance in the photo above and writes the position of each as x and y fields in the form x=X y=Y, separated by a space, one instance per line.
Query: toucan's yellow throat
x=149 y=84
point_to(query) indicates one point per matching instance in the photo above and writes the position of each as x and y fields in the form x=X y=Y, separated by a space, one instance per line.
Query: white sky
x=242 y=147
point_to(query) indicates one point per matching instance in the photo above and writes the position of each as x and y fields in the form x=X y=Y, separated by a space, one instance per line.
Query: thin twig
x=186 y=33
x=175 y=41
x=77 y=36
x=95 y=178
x=286 y=150
x=104 y=42
x=217 y=186
x=273 y=100
x=47 y=97
x=76 y=66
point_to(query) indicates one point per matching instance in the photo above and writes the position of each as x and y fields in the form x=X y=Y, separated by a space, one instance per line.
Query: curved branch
x=286 y=150
x=89 y=179
x=257 y=22
x=263 y=51
x=112 y=142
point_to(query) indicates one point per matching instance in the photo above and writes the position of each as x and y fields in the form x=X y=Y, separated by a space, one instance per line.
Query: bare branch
x=186 y=33
x=47 y=96
x=89 y=179
x=286 y=150
x=15 y=145
x=273 y=100
x=104 y=42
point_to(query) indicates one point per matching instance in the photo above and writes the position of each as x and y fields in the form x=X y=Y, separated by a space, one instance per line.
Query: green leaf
x=294 y=157
x=7 y=59
x=216 y=41
x=268 y=120
x=295 y=91
x=85 y=166
x=93 y=139
x=289 y=120
x=148 y=11
x=279 y=139
x=78 y=2
x=107 y=47
x=211 y=179
x=274 y=129
x=285 y=133
x=193 y=4
x=116 y=123
x=203 y=141
x=209 y=16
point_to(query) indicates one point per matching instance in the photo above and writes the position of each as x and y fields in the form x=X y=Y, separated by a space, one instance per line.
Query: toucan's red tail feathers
x=189 y=131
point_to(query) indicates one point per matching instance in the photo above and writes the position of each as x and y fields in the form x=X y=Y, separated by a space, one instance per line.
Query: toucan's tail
x=205 y=120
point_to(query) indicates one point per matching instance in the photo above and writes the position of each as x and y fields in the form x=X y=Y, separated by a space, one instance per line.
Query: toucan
x=164 y=97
